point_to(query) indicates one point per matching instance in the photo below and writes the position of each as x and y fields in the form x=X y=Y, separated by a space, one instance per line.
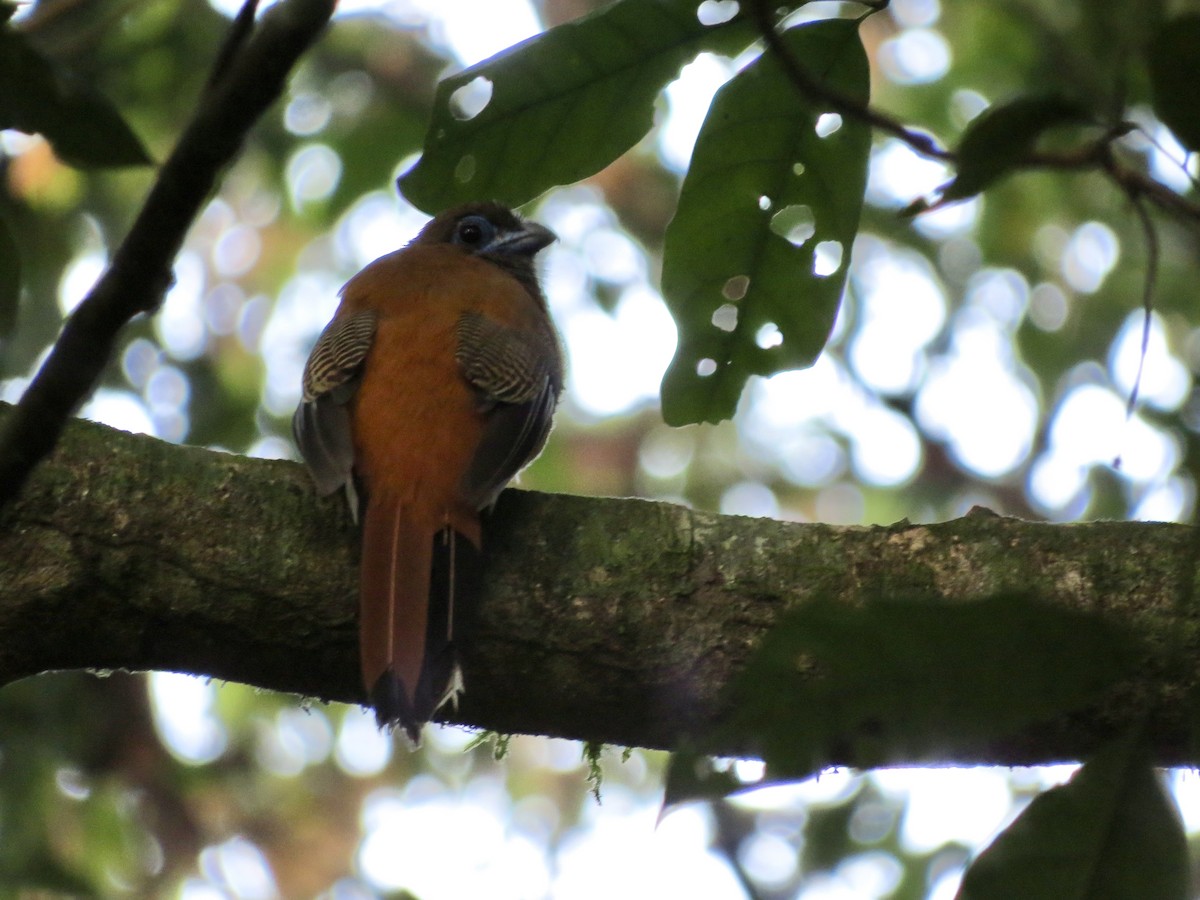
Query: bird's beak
x=527 y=240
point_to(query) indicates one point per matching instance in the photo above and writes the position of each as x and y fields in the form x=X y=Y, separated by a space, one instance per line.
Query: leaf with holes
x=903 y=680
x=755 y=259
x=1110 y=832
x=1174 y=58
x=1000 y=138
x=560 y=106
x=82 y=126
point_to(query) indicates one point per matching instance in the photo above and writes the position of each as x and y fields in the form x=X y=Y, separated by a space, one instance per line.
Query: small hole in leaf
x=827 y=258
x=725 y=317
x=764 y=202
x=735 y=288
x=706 y=367
x=716 y=12
x=465 y=170
x=798 y=169
x=471 y=99
x=794 y=223
x=827 y=124
x=768 y=336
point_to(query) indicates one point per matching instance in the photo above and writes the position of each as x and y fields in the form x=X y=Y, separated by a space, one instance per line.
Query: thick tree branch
x=612 y=620
x=249 y=77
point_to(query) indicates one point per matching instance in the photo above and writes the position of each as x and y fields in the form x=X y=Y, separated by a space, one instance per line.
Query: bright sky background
x=973 y=394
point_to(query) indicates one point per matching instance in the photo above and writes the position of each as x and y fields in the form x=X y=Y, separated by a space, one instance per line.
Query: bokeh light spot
x=312 y=173
x=307 y=113
x=1090 y=254
x=184 y=716
x=915 y=56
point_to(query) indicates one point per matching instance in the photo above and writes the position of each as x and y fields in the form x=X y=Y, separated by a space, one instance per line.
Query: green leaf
x=903 y=680
x=1002 y=136
x=765 y=209
x=1110 y=833
x=83 y=127
x=1174 y=59
x=10 y=280
x=563 y=105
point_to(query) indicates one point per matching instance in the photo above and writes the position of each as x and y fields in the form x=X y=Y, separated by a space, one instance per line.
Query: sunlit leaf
x=562 y=105
x=756 y=257
x=1110 y=832
x=1174 y=59
x=82 y=126
x=1002 y=136
x=910 y=678
x=10 y=280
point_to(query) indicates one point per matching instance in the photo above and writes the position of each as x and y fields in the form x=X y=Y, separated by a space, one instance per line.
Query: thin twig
x=814 y=89
x=250 y=80
x=1147 y=296
x=1093 y=155
x=239 y=32
x=1134 y=183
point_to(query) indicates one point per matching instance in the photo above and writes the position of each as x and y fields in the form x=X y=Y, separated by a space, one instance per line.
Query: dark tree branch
x=1136 y=184
x=611 y=620
x=249 y=76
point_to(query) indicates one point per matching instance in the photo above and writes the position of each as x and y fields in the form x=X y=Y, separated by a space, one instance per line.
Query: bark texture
x=603 y=619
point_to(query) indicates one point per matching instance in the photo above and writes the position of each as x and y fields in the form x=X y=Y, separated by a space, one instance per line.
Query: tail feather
x=414 y=583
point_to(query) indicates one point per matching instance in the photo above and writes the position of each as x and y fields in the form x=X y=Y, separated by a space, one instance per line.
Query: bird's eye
x=473 y=231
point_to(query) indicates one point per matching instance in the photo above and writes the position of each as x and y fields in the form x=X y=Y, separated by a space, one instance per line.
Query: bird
x=432 y=386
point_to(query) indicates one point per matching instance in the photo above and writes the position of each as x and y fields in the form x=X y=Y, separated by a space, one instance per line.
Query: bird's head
x=487 y=229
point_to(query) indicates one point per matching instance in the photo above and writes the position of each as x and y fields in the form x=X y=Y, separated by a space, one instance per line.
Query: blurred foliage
x=903 y=673
x=1172 y=56
x=93 y=799
x=1111 y=831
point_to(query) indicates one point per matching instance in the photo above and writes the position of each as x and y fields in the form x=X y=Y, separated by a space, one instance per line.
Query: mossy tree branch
x=611 y=620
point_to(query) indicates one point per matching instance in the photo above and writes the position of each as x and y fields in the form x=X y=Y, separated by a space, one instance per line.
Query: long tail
x=415 y=577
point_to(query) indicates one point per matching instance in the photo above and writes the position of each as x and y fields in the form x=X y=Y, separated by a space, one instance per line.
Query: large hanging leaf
x=1174 y=59
x=755 y=259
x=562 y=106
x=1110 y=833
x=903 y=680
x=82 y=126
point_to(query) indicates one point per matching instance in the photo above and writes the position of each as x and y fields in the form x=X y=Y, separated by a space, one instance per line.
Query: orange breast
x=417 y=422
